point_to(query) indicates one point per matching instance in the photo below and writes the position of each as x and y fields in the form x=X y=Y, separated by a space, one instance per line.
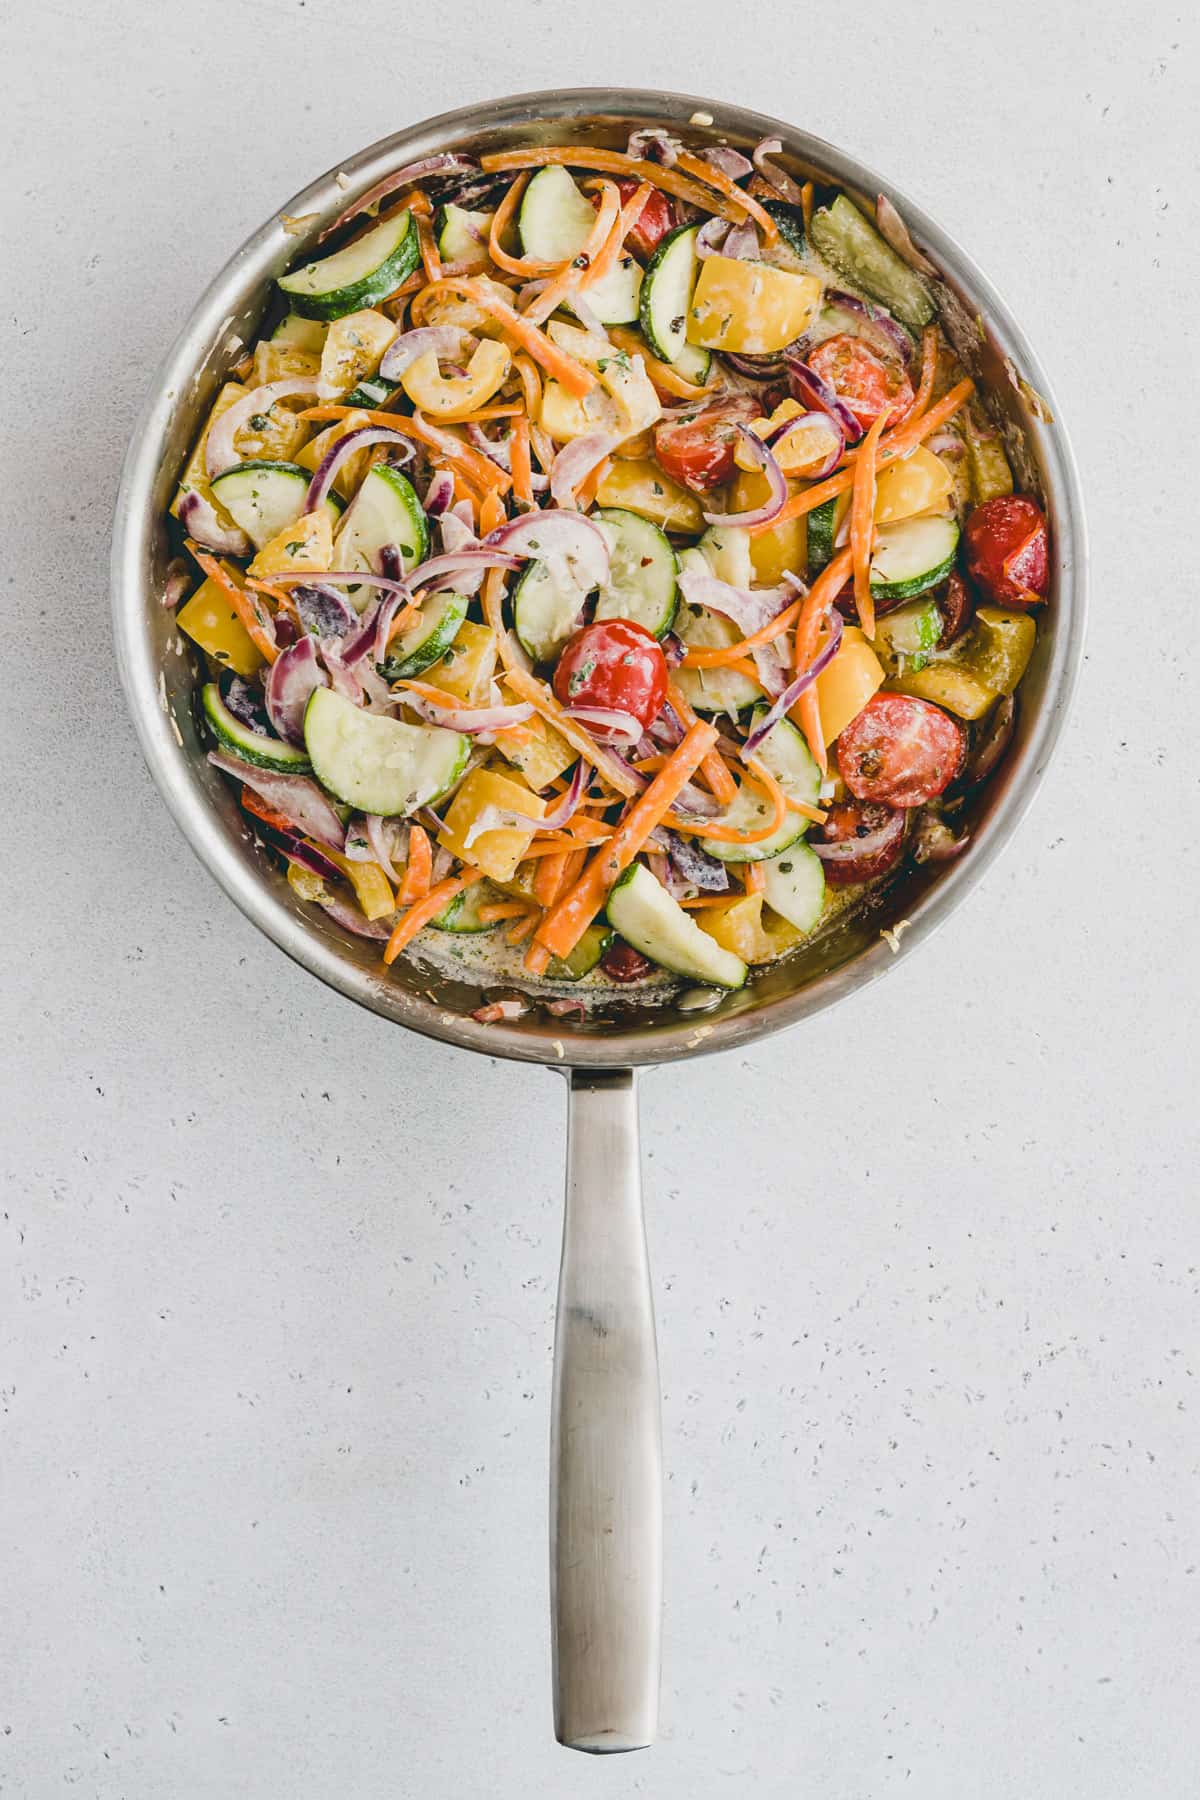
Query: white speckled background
x=276 y=1281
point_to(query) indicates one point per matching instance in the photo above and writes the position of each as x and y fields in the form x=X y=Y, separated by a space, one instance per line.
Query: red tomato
x=862 y=379
x=622 y=963
x=655 y=221
x=880 y=830
x=616 y=665
x=957 y=607
x=900 y=750
x=1007 y=553
x=698 y=451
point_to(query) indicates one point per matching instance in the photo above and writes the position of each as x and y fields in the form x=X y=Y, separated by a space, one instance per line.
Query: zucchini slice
x=441 y=619
x=646 y=916
x=906 y=638
x=365 y=272
x=385 y=510
x=372 y=393
x=546 y=609
x=912 y=555
x=821 y=528
x=642 y=574
x=694 y=363
x=377 y=764
x=848 y=240
x=461 y=914
x=795 y=886
x=460 y=232
x=786 y=754
x=252 y=746
x=263 y=497
x=583 y=958
x=667 y=292
x=555 y=222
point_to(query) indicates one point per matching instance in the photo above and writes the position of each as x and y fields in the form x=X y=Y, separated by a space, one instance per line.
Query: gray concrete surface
x=276 y=1283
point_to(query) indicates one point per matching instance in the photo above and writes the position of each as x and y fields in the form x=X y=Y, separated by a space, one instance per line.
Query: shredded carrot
x=537 y=958
x=571 y=274
x=862 y=524
x=806 y=205
x=522 y=467
x=820 y=596
x=522 y=928
x=724 y=184
x=431 y=261
x=479 y=470
x=712 y=768
x=484 y=415
x=661 y=374
x=267 y=814
x=590 y=485
x=418 y=869
x=571 y=374
x=627 y=218
x=527 y=687
x=754 y=877
x=548 y=879
x=491 y=513
x=565 y=924
x=896 y=444
x=924 y=393
x=729 y=834
x=245 y=605
x=503 y=909
x=419 y=915
x=531 y=385
x=613 y=162
x=523 y=266
x=721 y=655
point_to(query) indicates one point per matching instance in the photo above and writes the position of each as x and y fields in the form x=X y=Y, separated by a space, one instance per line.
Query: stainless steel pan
x=606 y=1507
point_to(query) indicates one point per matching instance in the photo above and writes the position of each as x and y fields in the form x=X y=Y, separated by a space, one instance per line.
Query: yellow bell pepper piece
x=283 y=362
x=450 y=397
x=497 y=852
x=641 y=487
x=848 y=683
x=998 y=647
x=211 y=623
x=307 y=543
x=750 y=307
x=304 y=884
x=946 y=685
x=541 y=754
x=468 y=665
x=913 y=485
x=354 y=349
x=195 y=474
x=371 y=886
x=740 y=926
x=782 y=549
x=355 y=467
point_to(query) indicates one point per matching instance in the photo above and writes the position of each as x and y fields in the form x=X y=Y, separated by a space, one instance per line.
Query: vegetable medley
x=606 y=551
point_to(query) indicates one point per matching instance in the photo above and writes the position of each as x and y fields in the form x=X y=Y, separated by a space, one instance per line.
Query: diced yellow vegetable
x=354 y=349
x=210 y=621
x=307 y=543
x=283 y=362
x=986 y=458
x=642 y=487
x=450 y=397
x=352 y=471
x=369 y=882
x=304 y=884
x=633 y=405
x=848 y=683
x=741 y=926
x=449 y=308
x=750 y=307
x=275 y=435
x=997 y=649
x=194 y=475
x=782 y=548
x=468 y=664
x=946 y=685
x=497 y=852
x=544 y=754
x=913 y=485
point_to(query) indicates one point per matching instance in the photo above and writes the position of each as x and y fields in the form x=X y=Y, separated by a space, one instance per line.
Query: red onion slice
x=694 y=866
x=992 y=745
x=731 y=162
x=323 y=611
x=177 y=583
x=566 y=1009
x=333 y=458
x=879 y=319
x=755 y=368
x=710 y=237
x=472 y=721
x=793 y=691
x=779 y=178
x=438 y=494
x=749 y=608
x=381 y=849
x=773 y=505
x=342 y=680
x=894 y=232
x=847 y=849
x=549 y=533
x=219 y=453
x=575 y=462
x=654 y=145
x=348 y=916
x=403 y=351
x=742 y=242
x=606 y=724
x=291 y=681
x=304 y=855
x=199 y=519
x=826 y=459
x=934 y=841
x=445 y=163
x=295 y=796
x=497 y=450
x=816 y=393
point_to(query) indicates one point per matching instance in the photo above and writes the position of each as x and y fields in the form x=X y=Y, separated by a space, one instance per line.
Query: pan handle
x=606 y=1436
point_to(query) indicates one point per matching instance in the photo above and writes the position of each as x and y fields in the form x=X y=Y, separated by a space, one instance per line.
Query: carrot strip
x=862 y=525
x=523 y=266
x=418 y=868
x=571 y=374
x=245 y=605
x=724 y=184
x=531 y=385
x=661 y=374
x=924 y=393
x=806 y=206
x=723 y=654
x=712 y=767
x=627 y=218
x=473 y=467
x=522 y=928
x=483 y=415
x=426 y=909
x=821 y=594
x=729 y=834
x=537 y=958
x=571 y=274
x=589 y=487
x=754 y=877
x=897 y=443
x=491 y=513
x=613 y=162
x=503 y=909
x=565 y=924
x=431 y=260
x=522 y=466
x=527 y=687
x=548 y=879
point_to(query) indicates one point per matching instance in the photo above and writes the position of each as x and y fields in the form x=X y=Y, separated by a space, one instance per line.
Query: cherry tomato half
x=866 y=383
x=880 y=831
x=616 y=665
x=698 y=451
x=1007 y=552
x=622 y=963
x=655 y=221
x=900 y=750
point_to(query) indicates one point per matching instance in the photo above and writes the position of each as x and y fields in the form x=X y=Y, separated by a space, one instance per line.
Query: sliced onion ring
x=295 y=796
x=779 y=178
x=795 y=688
x=606 y=724
x=776 y=499
x=291 y=681
x=835 y=445
x=818 y=395
x=575 y=462
x=347 y=446
x=879 y=319
x=472 y=721
x=731 y=162
x=439 y=493
x=847 y=849
x=894 y=231
x=445 y=163
x=219 y=453
x=710 y=237
x=443 y=340
x=199 y=519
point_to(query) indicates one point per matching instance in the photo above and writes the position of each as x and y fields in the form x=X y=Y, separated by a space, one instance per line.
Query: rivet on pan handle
x=606 y=1436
